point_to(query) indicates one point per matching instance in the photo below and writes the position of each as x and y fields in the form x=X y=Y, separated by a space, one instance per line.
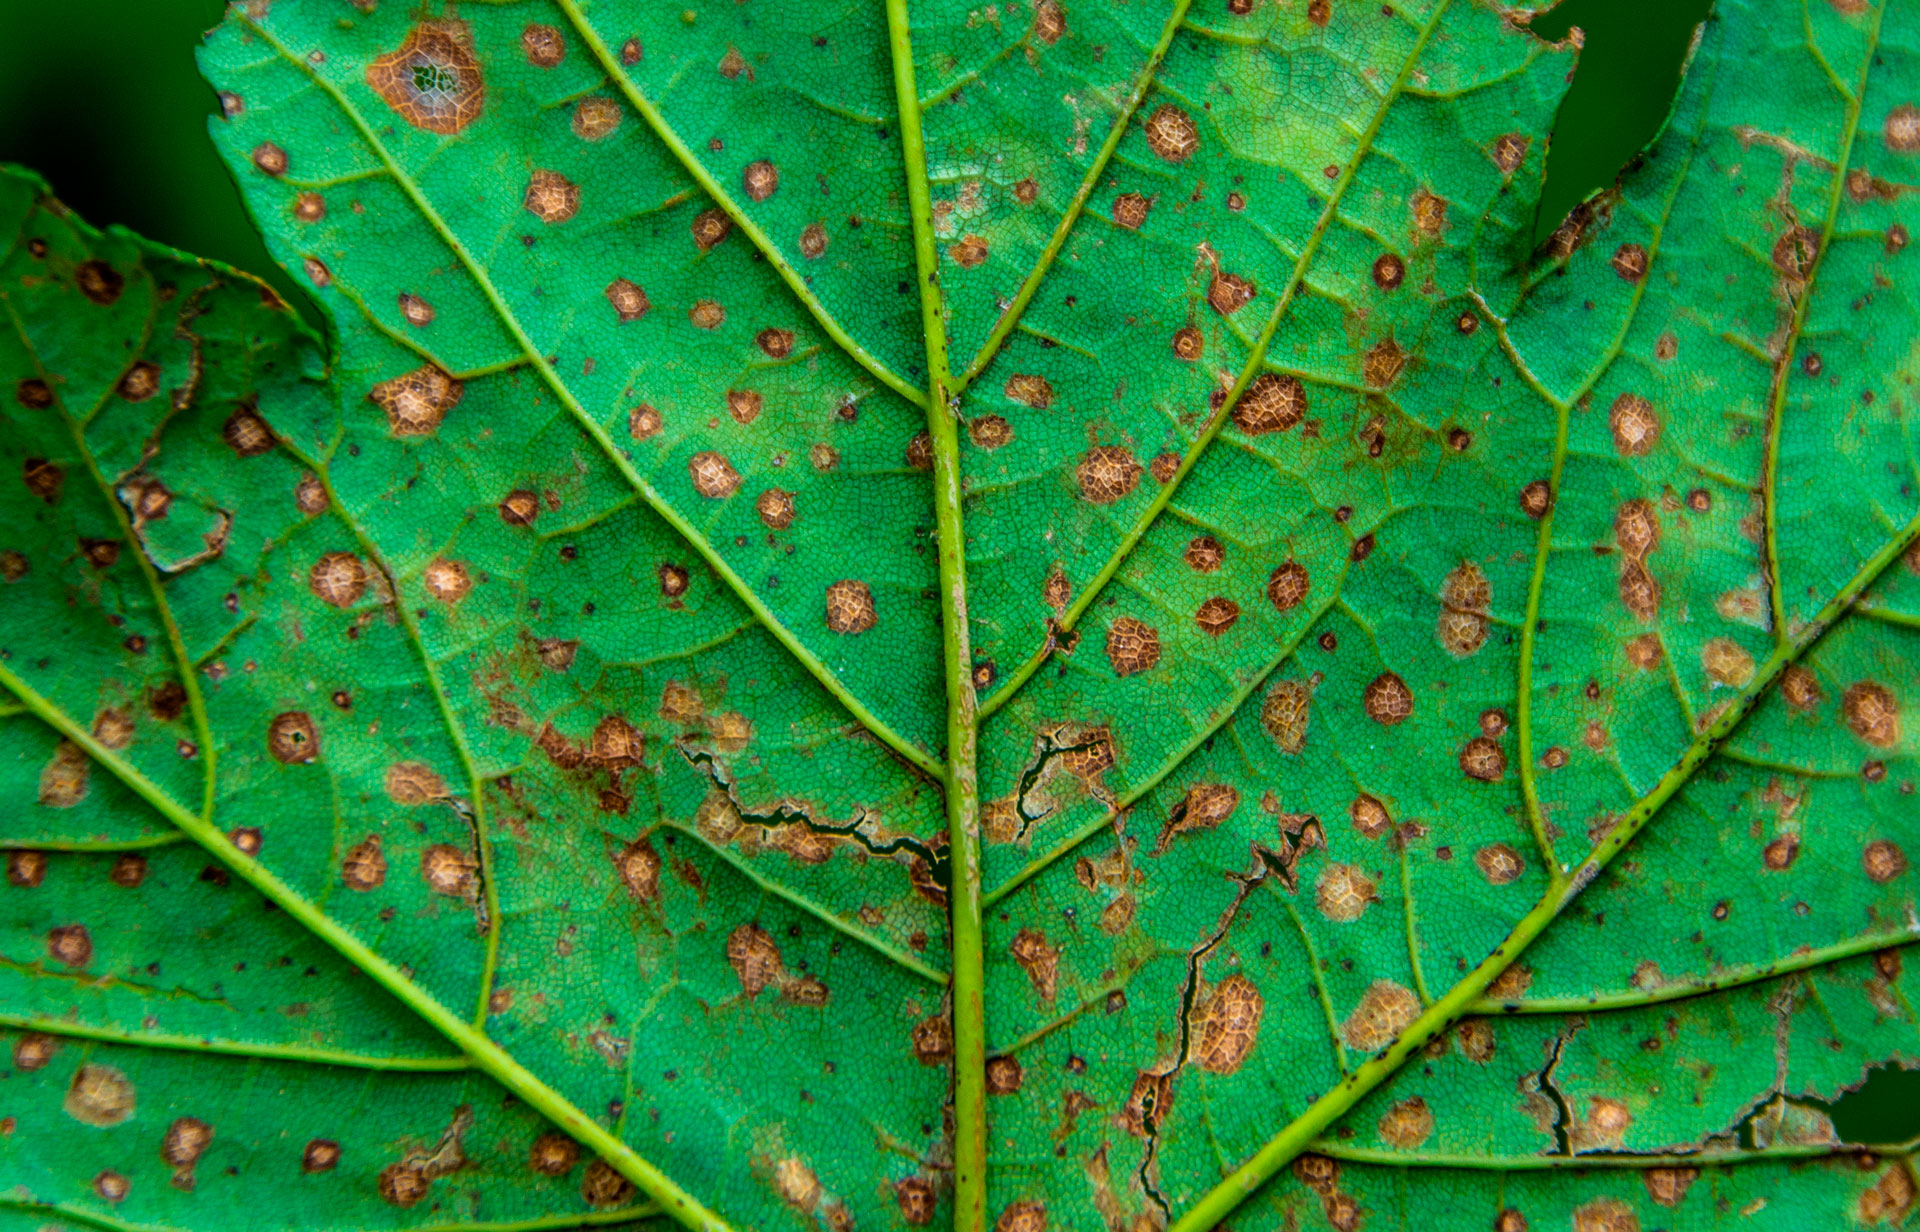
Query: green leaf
x=1036 y=615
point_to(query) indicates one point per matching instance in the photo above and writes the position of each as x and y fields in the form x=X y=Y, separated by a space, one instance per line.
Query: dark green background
x=103 y=99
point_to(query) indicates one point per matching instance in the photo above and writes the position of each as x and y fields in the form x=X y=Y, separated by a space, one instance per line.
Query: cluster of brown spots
x=775 y=507
x=1509 y=151
x=1217 y=615
x=1883 y=860
x=989 y=432
x=185 y=1141
x=1483 y=759
x=1029 y=389
x=293 y=739
x=446 y=580
x=760 y=180
x=595 y=118
x=850 y=607
x=1204 y=807
x=1384 y=1011
x=970 y=251
x=629 y=302
x=1407 y=1124
x=1040 y=960
x=1228 y=293
x=1171 y=133
x=70 y=945
x=320 y=1155
x=1133 y=646
x=365 y=865
x=1636 y=529
x=1466 y=600
x=551 y=197
x=416 y=402
x=1499 y=863
x=103 y=284
x=1343 y=892
x=1284 y=713
x=1272 y=403
x=1891 y=1198
x=1130 y=210
x=1389 y=271
x=1387 y=699
x=1106 y=473
x=100 y=1095
x=1204 y=554
x=1317 y=1172
x=1872 y=713
x=246 y=433
x=1726 y=662
x=449 y=870
x=553 y=1154
x=1635 y=427
x=707 y=314
x=713 y=476
x=1227 y=1027
x=813 y=241
x=33 y=1052
x=1383 y=364
x=432 y=79
x=916 y=1200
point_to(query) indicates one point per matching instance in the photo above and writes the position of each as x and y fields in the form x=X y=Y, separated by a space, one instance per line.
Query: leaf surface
x=1039 y=615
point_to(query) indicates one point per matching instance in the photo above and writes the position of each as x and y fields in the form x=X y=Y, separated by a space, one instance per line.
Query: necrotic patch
x=432 y=80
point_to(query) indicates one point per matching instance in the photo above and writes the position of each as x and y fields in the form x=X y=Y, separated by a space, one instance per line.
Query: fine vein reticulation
x=1040 y=616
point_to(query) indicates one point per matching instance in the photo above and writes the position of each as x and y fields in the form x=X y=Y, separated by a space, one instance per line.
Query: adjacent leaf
x=1042 y=615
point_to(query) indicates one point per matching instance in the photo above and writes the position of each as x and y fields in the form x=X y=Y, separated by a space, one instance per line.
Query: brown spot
x=1872 y=713
x=850 y=607
x=1038 y=959
x=1483 y=759
x=1370 y=816
x=1188 y=344
x=755 y=959
x=43 y=478
x=1476 y=1040
x=710 y=228
x=553 y=1154
x=1407 y=1124
x=1026 y=191
x=713 y=476
x=933 y=1040
x=447 y=580
x=432 y=79
x=1630 y=262
x=775 y=507
x=1343 y=891
x=1049 y=21
x=1466 y=598
x=673 y=581
x=760 y=180
x=1204 y=807
x=26 y=869
x=989 y=432
x=1284 y=714
x=813 y=241
x=797 y=1185
x=1726 y=662
x=141 y=382
x=1384 y=1011
x=1229 y=293
x=1217 y=615
x=320 y=1155
x=1499 y=863
x=418 y=312
x=33 y=1052
x=1902 y=129
x=1164 y=467
x=1383 y=364
x=629 y=302
x=309 y=207
x=1057 y=592
x=1029 y=389
x=1509 y=151
x=775 y=343
x=1147 y=1104
x=1389 y=271
x=916 y=1199
x=707 y=314
x=102 y=284
x=1317 y=1172
x=551 y=197
x=293 y=739
x=246 y=433
x=1320 y=12
x=71 y=945
x=338 y=579
x=411 y=783
x=1388 y=700
x=1891 y=1198
x=1204 y=554
x=1106 y=473
x=1668 y=1186
x=544 y=46
x=1004 y=1075
x=1130 y=210
x=1883 y=860
x=1133 y=646
x=1636 y=429
x=519 y=508
x=101 y=553
x=186 y=1140
x=1536 y=499
x=1638 y=589
x=416 y=402
x=1429 y=213
x=643 y=422
x=404 y=1184
x=365 y=865
x=1780 y=854
x=112 y=1187
x=745 y=405
x=1227 y=1028
x=34 y=394
x=595 y=118
x=270 y=158
x=449 y=870
x=1272 y=403
x=1171 y=133
x=100 y=1095
x=1801 y=688
x=969 y=252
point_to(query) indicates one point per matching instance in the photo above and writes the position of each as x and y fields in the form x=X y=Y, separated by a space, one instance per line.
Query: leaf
x=1040 y=615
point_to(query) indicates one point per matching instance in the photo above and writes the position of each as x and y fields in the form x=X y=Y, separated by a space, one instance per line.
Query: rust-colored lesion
x=432 y=80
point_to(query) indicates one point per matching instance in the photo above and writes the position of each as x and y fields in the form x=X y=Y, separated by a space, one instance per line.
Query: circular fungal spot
x=775 y=507
x=707 y=314
x=141 y=382
x=415 y=402
x=1483 y=759
x=365 y=865
x=43 y=478
x=1317 y=1172
x=1509 y=151
x=100 y=282
x=448 y=870
x=413 y=783
x=1883 y=860
x=403 y=1185
x=1026 y=192
x=595 y=118
x=1726 y=662
x=1872 y=713
x=1636 y=429
x=1636 y=527
x=246 y=433
x=710 y=229
x=416 y=311
x=1384 y=1011
x=1272 y=403
x=1130 y=210
x=1536 y=499
x=1902 y=129
x=320 y=1155
x=1204 y=554
x=969 y=252
x=553 y=1154
x=447 y=580
x=1630 y=262
x=1133 y=646
x=629 y=302
x=1188 y=344
x=713 y=476
x=774 y=343
x=113 y=728
x=813 y=241
x=1320 y=12
x=1004 y=1075
x=1429 y=213
x=1668 y=1186
x=33 y=1052
x=1801 y=688
x=432 y=80
x=111 y=1187
x=1476 y=1040
x=1389 y=271
x=293 y=739
x=1284 y=712
x=989 y=432
x=1370 y=816
x=1228 y=1026
x=186 y=1140
x=850 y=607
x=1057 y=592
x=1387 y=700
x=1106 y=473
x=824 y=457
x=270 y=159
x=1510 y=1220
x=338 y=579
x=1164 y=467
x=1407 y=1124
x=309 y=207
x=1383 y=363
x=519 y=508
x=1217 y=615
x=13 y=566
x=755 y=959
x=1229 y=293
x=1022 y=1217
x=544 y=46
x=1343 y=892
x=933 y=1040
x=1466 y=599
x=33 y=394
x=100 y=1095
x=760 y=180
x=916 y=1200
x=920 y=452
x=744 y=405
x=1779 y=855
x=1171 y=133
x=1605 y=1215
x=1029 y=389
x=551 y=197
x=1287 y=586
x=643 y=421
x=1499 y=863
x=1049 y=22
x=129 y=870
x=70 y=945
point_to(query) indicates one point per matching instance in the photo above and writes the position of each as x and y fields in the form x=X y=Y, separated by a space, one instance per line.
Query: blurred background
x=105 y=102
